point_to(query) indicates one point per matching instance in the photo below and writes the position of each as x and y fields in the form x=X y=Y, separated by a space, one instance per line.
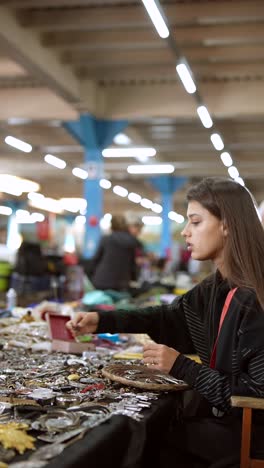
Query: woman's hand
x=159 y=356
x=83 y=322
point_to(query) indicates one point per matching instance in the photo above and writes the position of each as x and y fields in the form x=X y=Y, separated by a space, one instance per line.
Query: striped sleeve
x=217 y=388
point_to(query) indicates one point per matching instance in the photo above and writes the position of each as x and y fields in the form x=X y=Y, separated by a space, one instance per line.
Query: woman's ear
x=224 y=229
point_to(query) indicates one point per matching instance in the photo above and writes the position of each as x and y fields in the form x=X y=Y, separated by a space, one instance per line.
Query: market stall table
x=118 y=425
x=122 y=442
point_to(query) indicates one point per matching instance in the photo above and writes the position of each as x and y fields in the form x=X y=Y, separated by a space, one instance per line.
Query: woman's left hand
x=159 y=356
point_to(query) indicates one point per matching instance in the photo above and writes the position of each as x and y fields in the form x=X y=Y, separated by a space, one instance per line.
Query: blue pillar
x=94 y=135
x=166 y=185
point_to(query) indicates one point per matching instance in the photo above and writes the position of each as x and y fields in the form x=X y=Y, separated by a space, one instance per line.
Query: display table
x=56 y=393
x=122 y=442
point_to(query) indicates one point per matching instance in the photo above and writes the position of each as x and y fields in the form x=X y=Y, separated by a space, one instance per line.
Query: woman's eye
x=195 y=222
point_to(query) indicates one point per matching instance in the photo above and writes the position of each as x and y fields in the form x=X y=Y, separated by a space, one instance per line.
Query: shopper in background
x=135 y=226
x=146 y=274
x=114 y=264
x=223 y=226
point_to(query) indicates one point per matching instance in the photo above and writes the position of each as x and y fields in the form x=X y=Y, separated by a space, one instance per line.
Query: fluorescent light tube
x=5 y=210
x=37 y=217
x=176 y=217
x=18 y=144
x=134 y=197
x=146 y=203
x=35 y=196
x=16 y=191
x=233 y=172
x=151 y=220
x=54 y=161
x=240 y=181
x=204 y=116
x=226 y=159
x=73 y=204
x=24 y=217
x=217 y=141
x=81 y=173
x=105 y=184
x=156 y=18
x=157 y=208
x=121 y=191
x=18 y=184
x=128 y=152
x=150 y=169
x=47 y=204
x=122 y=139
x=186 y=78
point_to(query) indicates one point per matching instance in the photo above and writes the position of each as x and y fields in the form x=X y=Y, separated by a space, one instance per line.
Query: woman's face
x=204 y=234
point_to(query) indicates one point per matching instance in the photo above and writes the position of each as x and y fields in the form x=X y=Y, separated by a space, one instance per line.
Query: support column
x=166 y=185
x=94 y=135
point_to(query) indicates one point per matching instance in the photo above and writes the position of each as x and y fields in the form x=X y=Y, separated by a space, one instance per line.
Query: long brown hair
x=244 y=247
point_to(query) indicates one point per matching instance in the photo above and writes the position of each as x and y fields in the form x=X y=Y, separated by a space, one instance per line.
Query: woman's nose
x=183 y=233
x=186 y=231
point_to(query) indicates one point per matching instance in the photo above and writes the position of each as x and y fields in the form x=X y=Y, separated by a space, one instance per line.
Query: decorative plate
x=141 y=376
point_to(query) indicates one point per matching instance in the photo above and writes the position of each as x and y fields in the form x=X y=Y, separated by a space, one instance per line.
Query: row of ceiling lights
x=183 y=69
x=157 y=16
x=57 y=206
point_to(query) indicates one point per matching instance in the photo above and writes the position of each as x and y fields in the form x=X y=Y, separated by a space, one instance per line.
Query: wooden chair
x=248 y=404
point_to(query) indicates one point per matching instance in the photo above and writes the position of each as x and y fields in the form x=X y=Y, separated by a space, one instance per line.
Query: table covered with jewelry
x=59 y=409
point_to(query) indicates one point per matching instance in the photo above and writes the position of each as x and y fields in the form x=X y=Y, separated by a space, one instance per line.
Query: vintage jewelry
x=64 y=401
x=13 y=435
x=56 y=420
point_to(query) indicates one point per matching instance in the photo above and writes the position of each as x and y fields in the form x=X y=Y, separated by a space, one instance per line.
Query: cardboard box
x=62 y=339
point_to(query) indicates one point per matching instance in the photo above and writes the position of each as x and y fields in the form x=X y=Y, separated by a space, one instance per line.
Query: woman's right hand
x=83 y=322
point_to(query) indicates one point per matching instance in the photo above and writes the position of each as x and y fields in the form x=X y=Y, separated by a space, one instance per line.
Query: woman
x=114 y=263
x=222 y=226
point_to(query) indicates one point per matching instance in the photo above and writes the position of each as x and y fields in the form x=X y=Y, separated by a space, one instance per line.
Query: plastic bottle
x=11 y=299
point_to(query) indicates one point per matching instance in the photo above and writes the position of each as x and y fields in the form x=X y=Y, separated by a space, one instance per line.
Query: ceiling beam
x=10 y=68
x=148 y=38
x=171 y=100
x=234 y=53
x=34 y=103
x=135 y=16
x=167 y=72
x=52 y=4
x=25 y=47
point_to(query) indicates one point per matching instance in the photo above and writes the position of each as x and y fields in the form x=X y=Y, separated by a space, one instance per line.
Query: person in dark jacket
x=135 y=226
x=223 y=226
x=114 y=263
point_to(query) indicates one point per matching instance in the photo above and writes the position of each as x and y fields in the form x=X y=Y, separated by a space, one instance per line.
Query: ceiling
x=62 y=57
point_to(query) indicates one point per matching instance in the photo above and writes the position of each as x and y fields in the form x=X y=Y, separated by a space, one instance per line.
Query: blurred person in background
x=135 y=226
x=114 y=263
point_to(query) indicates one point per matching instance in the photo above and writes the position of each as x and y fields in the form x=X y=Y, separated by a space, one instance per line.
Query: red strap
x=222 y=318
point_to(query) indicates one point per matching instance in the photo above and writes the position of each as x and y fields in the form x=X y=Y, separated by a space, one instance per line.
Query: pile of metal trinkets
x=52 y=399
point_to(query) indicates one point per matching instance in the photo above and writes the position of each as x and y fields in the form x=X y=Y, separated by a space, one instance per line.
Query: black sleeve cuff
x=185 y=369
x=107 y=323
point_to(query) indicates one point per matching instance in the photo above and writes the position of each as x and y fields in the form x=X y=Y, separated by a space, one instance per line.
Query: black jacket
x=190 y=325
x=114 y=261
